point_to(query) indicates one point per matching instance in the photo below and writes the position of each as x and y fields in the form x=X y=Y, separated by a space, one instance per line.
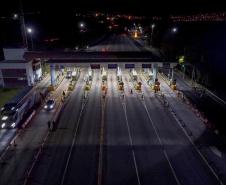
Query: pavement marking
x=100 y=163
x=73 y=141
x=196 y=149
x=161 y=143
x=131 y=143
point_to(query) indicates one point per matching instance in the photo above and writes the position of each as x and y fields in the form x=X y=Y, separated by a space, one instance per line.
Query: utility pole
x=184 y=65
x=22 y=25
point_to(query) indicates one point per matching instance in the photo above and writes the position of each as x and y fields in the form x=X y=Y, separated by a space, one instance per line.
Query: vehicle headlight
x=4 y=118
x=45 y=106
x=51 y=106
x=13 y=124
x=3 y=125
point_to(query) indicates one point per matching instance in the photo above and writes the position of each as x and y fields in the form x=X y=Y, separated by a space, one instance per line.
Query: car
x=50 y=104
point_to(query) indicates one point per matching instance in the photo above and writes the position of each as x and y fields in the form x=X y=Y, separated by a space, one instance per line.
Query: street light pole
x=22 y=25
x=30 y=31
x=82 y=27
x=152 y=29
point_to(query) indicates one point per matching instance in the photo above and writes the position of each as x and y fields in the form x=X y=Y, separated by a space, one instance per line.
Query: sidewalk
x=220 y=97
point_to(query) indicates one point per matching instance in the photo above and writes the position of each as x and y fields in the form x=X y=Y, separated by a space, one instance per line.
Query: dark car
x=50 y=104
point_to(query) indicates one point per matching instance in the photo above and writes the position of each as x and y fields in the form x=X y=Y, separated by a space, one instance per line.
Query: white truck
x=13 y=113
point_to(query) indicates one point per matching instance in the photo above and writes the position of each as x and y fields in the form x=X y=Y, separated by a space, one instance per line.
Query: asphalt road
x=80 y=124
x=115 y=43
x=142 y=142
x=188 y=165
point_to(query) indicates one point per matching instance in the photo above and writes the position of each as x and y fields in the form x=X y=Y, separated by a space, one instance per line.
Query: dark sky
x=145 y=7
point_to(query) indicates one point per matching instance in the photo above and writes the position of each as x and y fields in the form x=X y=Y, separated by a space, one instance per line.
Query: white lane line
x=101 y=143
x=198 y=151
x=131 y=143
x=73 y=142
x=161 y=143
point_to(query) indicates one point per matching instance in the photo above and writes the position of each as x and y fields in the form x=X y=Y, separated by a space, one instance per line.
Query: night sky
x=144 y=7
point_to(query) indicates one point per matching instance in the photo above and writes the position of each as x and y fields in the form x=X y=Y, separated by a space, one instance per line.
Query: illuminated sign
x=112 y=66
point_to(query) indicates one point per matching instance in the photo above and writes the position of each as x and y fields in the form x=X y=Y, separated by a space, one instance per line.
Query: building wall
x=14 y=53
x=30 y=74
x=1 y=80
x=14 y=77
x=16 y=74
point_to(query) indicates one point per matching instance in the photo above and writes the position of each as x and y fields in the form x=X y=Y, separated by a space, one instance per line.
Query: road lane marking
x=161 y=143
x=197 y=150
x=131 y=143
x=100 y=160
x=195 y=147
x=73 y=141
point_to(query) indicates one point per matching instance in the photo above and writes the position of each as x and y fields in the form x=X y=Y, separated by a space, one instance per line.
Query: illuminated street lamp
x=174 y=30
x=82 y=28
x=30 y=32
x=15 y=16
x=81 y=25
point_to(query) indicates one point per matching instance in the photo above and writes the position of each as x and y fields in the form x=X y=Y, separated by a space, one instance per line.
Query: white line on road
x=161 y=143
x=198 y=151
x=73 y=143
x=131 y=143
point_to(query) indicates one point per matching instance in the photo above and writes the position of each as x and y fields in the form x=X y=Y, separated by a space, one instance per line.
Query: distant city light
x=152 y=26
x=208 y=17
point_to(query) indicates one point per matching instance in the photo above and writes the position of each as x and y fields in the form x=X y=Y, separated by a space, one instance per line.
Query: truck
x=14 y=112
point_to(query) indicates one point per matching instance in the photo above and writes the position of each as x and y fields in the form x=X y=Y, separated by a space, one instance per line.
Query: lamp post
x=152 y=30
x=30 y=32
x=82 y=29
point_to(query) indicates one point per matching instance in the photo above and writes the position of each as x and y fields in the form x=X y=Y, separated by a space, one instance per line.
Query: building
x=15 y=71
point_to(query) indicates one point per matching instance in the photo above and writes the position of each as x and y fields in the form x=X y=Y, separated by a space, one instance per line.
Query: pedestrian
x=131 y=91
x=123 y=96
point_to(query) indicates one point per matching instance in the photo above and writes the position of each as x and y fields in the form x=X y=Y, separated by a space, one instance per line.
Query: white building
x=15 y=71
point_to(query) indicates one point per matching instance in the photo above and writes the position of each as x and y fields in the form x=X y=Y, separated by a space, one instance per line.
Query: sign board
x=112 y=66
x=181 y=60
x=95 y=66
x=129 y=66
x=146 y=65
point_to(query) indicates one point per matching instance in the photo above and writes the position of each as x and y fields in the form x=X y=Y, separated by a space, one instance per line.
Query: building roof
x=14 y=61
x=82 y=56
